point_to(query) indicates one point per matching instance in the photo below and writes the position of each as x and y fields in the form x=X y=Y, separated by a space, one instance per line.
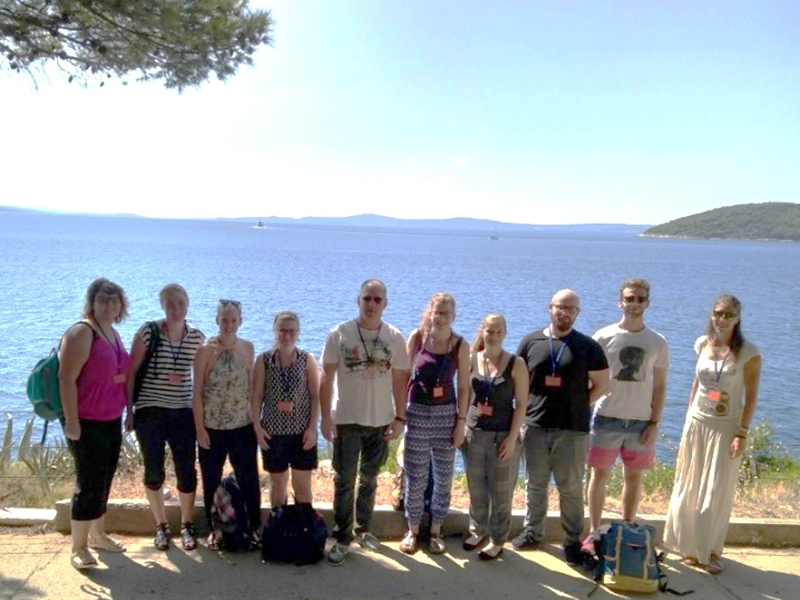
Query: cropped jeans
x=357 y=451
x=562 y=453
x=491 y=483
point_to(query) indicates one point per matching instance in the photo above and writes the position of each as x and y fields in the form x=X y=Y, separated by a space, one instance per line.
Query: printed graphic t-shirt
x=364 y=375
x=632 y=357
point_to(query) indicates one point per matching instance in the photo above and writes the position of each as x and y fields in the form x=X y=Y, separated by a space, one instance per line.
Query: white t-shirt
x=632 y=359
x=730 y=405
x=364 y=376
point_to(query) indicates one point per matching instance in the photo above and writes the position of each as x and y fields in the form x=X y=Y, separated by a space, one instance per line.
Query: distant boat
x=260 y=225
x=494 y=237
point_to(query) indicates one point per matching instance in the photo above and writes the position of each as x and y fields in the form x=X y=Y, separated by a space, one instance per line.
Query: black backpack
x=294 y=533
x=229 y=517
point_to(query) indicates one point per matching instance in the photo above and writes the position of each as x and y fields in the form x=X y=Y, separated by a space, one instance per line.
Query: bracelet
x=739 y=435
x=654 y=423
x=401 y=419
x=461 y=419
x=744 y=426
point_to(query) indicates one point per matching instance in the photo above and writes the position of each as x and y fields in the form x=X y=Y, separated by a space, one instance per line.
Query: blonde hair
x=171 y=288
x=426 y=322
x=479 y=344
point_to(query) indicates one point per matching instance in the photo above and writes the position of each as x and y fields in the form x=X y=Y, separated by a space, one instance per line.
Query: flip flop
x=436 y=545
x=107 y=544
x=714 y=566
x=690 y=561
x=83 y=559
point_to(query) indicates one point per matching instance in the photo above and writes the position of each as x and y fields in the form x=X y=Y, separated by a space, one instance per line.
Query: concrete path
x=35 y=565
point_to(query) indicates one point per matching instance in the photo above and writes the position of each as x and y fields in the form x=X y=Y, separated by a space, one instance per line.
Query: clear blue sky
x=531 y=112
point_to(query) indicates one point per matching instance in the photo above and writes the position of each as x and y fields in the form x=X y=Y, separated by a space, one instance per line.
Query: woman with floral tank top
x=221 y=406
x=285 y=410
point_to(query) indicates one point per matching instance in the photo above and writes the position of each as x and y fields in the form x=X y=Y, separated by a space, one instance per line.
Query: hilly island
x=766 y=221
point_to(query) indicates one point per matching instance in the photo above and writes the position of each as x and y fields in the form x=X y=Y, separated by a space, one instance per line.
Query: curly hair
x=426 y=322
x=109 y=288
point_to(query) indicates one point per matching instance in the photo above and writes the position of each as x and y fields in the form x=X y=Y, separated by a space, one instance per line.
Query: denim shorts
x=611 y=437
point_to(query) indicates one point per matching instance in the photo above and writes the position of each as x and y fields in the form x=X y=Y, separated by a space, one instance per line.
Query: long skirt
x=705 y=483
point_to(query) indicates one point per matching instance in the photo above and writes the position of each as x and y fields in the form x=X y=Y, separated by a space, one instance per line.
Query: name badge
x=485 y=409
x=714 y=395
x=553 y=381
x=367 y=374
x=175 y=378
x=120 y=378
x=438 y=392
x=285 y=406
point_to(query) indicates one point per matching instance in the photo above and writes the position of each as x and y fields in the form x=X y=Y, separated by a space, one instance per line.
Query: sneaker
x=572 y=554
x=368 y=541
x=163 y=536
x=188 y=536
x=338 y=553
x=525 y=540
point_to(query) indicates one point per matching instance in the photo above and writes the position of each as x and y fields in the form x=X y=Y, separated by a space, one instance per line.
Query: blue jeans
x=491 y=484
x=562 y=453
x=352 y=445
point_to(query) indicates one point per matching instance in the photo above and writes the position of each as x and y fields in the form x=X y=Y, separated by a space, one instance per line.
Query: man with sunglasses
x=367 y=358
x=626 y=417
x=568 y=372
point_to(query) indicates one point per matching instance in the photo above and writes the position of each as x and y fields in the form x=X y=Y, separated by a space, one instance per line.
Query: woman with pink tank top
x=92 y=382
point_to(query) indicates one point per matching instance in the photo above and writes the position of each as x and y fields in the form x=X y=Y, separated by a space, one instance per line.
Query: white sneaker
x=368 y=541
x=338 y=553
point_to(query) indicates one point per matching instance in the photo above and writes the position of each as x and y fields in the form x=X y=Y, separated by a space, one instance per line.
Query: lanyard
x=718 y=372
x=114 y=346
x=554 y=358
x=374 y=342
x=487 y=384
x=283 y=374
x=175 y=355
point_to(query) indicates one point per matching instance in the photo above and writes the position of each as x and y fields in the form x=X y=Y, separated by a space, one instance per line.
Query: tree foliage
x=181 y=42
x=766 y=221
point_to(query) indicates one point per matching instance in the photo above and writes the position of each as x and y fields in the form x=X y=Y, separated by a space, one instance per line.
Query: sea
x=48 y=260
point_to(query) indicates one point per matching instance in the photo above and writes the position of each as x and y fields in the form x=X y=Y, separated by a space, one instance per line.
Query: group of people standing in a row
x=561 y=397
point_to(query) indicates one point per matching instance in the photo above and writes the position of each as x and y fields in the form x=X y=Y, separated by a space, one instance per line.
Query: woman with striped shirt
x=162 y=408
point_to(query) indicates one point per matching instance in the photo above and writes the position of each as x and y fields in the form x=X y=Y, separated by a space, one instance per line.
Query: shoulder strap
x=510 y=366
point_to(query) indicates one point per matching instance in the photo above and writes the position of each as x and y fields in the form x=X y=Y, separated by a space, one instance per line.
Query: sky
x=542 y=112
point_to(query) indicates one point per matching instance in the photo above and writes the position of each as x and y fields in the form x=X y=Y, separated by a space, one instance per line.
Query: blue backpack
x=626 y=560
x=229 y=517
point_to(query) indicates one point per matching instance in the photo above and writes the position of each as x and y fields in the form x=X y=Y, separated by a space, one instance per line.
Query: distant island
x=765 y=221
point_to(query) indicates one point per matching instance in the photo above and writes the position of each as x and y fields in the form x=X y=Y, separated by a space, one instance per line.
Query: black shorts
x=287 y=451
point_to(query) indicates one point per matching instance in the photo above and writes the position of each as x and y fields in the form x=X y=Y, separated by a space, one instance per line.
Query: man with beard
x=568 y=372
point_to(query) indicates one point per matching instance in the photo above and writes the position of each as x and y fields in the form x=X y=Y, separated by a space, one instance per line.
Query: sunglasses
x=373 y=299
x=726 y=314
x=225 y=302
x=632 y=299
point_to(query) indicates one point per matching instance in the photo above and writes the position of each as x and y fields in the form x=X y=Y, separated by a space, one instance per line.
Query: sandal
x=188 y=536
x=690 y=561
x=714 y=566
x=106 y=543
x=212 y=542
x=487 y=554
x=472 y=542
x=436 y=544
x=83 y=559
x=410 y=544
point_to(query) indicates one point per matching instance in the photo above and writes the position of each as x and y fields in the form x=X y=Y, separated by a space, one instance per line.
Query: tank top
x=432 y=371
x=289 y=383
x=226 y=394
x=100 y=398
x=499 y=395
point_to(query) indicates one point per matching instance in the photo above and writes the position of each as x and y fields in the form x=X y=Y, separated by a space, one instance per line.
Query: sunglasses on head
x=225 y=302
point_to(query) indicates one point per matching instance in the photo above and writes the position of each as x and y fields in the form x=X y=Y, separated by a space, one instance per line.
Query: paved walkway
x=37 y=566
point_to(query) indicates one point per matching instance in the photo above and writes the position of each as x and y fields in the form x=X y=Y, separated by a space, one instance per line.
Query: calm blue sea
x=48 y=260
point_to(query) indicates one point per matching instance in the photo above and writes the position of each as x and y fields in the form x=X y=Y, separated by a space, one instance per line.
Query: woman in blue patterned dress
x=285 y=409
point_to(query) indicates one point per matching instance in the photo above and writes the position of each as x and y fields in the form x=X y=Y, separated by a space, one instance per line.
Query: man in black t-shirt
x=568 y=371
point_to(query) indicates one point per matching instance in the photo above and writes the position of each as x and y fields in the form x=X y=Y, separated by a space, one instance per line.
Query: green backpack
x=43 y=391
